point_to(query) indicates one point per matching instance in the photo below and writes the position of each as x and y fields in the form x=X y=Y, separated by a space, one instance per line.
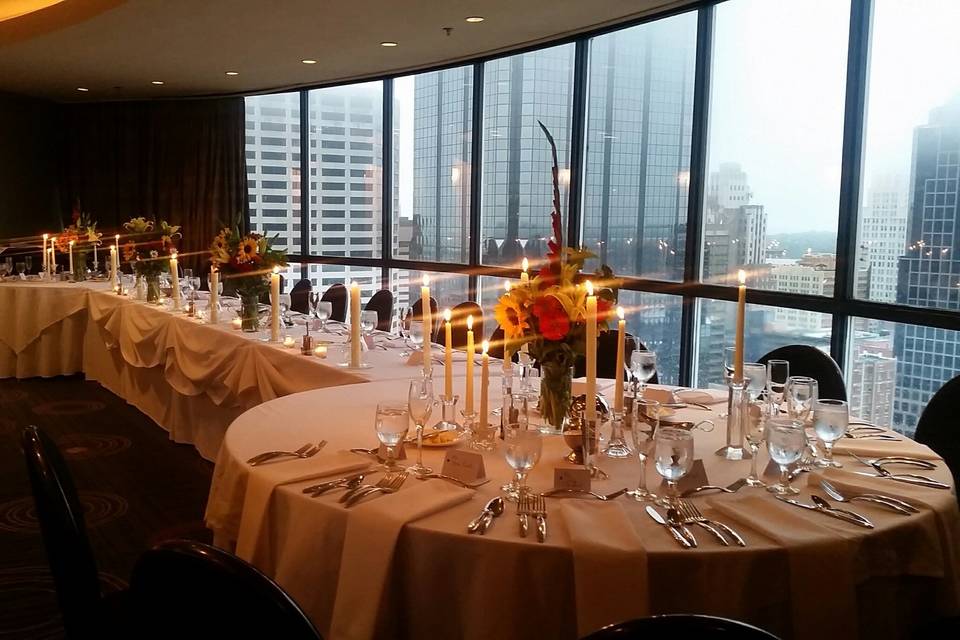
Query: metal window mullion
x=476 y=175
x=386 y=182
x=578 y=141
x=304 y=180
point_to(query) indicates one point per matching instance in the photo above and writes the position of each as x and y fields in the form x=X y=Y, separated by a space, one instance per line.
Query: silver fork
x=390 y=483
x=271 y=454
x=523 y=514
x=538 y=508
x=691 y=514
x=308 y=453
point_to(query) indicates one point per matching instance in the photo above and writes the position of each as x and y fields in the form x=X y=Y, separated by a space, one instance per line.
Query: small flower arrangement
x=247 y=259
x=148 y=247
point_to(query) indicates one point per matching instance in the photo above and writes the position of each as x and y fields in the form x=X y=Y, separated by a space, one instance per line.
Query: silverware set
x=690 y=514
x=346 y=482
x=306 y=451
x=390 y=483
x=534 y=506
x=680 y=533
x=909 y=478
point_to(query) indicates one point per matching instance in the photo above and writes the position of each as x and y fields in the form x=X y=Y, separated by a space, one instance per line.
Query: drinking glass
x=392 y=425
x=403 y=319
x=522 y=450
x=754 y=433
x=219 y=285
x=285 y=303
x=674 y=457
x=420 y=405
x=646 y=421
x=416 y=334
x=830 y=420
x=368 y=322
x=729 y=362
x=786 y=441
x=21 y=266
x=29 y=260
x=8 y=264
x=800 y=393
x=778 y=372
x=643 y=366
x=755 y=376
x=323 y=311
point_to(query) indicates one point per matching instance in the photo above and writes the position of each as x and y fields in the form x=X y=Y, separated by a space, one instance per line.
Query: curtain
x=180 y=161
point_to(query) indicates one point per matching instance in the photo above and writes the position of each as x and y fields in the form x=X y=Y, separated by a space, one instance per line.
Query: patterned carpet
x=137 y=488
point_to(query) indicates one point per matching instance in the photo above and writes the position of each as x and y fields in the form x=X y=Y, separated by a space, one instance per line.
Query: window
x=448 y=289
x=273 y=113
x=654 y=320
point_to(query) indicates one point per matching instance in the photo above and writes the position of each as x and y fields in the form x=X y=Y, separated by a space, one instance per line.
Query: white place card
x=466 y=466
x=571 y=476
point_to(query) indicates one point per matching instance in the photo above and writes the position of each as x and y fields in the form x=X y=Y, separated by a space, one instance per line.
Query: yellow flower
x=511 y=316
x=248 y=250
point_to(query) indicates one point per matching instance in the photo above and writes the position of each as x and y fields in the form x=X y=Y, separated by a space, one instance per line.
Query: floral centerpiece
x=548 y=313
x=84 y=235
x=148 y=249
x=247 y=261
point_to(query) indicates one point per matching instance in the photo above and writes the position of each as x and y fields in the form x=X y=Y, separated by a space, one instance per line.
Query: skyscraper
x=883 y=235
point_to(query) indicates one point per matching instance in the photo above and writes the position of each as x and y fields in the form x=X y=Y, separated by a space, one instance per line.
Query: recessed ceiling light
x=233 y=73
x=474 y=19
x=388 y=44
x=156 y=82
x=309 y=61
x=82 y=89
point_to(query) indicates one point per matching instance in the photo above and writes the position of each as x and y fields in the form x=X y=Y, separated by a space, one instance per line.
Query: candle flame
x=485 y=346
x=276 y=269
x=173 y=256
x=742 y=276
x=506 y=285
x=620 y=312
x=71 y=243
x=525 y=264
x=470 y=323
x=589 y=288
x=426 y=280
x=446 y=315
x=45 y=236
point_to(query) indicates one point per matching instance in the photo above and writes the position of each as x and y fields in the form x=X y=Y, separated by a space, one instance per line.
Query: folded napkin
x=818 y=554
x=263 y=480
x=661 y=395
x=369 y=543
x=870 y=447
x=609 y=564
x=578 y=386
x=701 y=396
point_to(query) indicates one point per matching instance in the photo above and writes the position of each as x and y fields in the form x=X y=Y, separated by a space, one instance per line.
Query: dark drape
x=179 y=161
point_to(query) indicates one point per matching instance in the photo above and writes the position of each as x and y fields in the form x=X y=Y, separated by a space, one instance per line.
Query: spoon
x=491 y=510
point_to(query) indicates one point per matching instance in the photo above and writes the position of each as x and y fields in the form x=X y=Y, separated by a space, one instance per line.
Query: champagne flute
x=754 y=434
x=392 y=425
x=778 y=372
x=674 y=457
x=522 y=450
x=403 y=320
x=420 y=406
x=786 y=441
x=646 y=421
x=643 y=366
x=830 y=420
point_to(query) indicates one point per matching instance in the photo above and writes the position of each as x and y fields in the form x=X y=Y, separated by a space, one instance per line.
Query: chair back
x=417 y=311
x=809 y=361
x=184 y=587
x=382 y=303
x=337 y=295
x=458 y=325
x=64 y=532
x=300 y=296
x=937 y=425
x=607 y=357
x=681 y=626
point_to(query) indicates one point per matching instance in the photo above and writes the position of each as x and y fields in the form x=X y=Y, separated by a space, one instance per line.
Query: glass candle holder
x=617 y=447
x=482 y=438
x=448 y=415
x=738 y=407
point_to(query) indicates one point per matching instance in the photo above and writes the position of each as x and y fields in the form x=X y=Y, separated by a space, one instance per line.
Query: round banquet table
x=403 y=565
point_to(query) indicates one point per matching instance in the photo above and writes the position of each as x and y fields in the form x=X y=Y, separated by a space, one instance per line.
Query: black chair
x=607 y=357
x=300 y=296
x=86 y=612
x=937 y=426
x=681 y=626
x=458 y=325
x=809 y=361
x=382 y=303
x=337 y=296
x=417 y=311
x=183 y=587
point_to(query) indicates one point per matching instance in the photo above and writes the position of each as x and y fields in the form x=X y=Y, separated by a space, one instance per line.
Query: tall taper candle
x=175 y=281
x=427 y=322
x=484 y=386
x=506 y=351
x=114 y=270
x=214 y=295
x=591 y=349
x=621 y=337
x=71 y=257
x=44 y=256
x=275 y=305
x=741 y=312
x=354 y=325
x=52 y=260
x=447 y=356
x=50 y=263
x=524 y=276
x=471 y=352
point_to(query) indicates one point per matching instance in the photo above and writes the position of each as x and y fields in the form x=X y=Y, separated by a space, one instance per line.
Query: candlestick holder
x=617 y=447
x=738 y=401
x=448 y=417
x=482 y=438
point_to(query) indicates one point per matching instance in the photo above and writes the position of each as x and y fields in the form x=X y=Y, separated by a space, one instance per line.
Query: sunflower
x=248 y=251
x=511 y=316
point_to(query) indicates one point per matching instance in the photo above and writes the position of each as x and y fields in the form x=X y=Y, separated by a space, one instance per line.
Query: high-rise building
x=872 y=379
x=883 y=235
x=929 y=272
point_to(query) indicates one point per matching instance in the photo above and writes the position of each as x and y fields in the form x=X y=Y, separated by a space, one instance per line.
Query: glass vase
x=79 y=266
x=555 y=384
x=153 y=288
x=250 y=312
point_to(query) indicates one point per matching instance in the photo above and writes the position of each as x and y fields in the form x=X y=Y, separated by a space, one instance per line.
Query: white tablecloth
x=802 y=575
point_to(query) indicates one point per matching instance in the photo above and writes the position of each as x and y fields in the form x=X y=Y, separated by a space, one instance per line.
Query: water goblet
x=392 y=425
x=830 y=421
x=778 y=372
x=420 y=406
x=755 y=376
x=522 y=450
x=416 y=334
x=323 y=311
x=368 y=322
x=674 y=457
x=786 y=440
x=29 y=261
x=800 y=394
x=643 y=366
x=21 y=267
x=646 y=422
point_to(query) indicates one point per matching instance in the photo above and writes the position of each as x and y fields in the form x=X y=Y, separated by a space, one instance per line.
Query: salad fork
x=302 y=452
x=599 y=496
x=690 y=514
x=390 y=483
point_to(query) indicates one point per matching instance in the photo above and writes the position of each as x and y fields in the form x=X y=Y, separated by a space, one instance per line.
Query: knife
x=679 y=537
x=853 y=516
x=909 y=478
x=846 y=516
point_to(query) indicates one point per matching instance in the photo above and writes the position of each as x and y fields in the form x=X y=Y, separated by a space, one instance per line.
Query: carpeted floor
x=137 y=488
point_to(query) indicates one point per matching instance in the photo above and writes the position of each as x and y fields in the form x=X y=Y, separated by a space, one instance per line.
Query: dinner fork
x=390 y=483
x=599 y=496
x=302 y=452
x=270 y=454
x=538 y=508
x=690 y=514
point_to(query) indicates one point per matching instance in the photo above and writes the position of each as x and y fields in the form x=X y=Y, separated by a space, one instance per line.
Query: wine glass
x=21 y=266
x=522 y=450
x=830 y=420
x=755 y=377
x=285 y=303
x=646 y=422
x=674 y=457
x=729 y=362
x=368 y=322
x=800 y=393
x=786 y=440
x=219 y=285
x=754 y=434
x=391 y=425
x=643 y=366
x=420 y=405
x=29 y=260
x=416 y=334
x=403 y=329
x=778 y=372
x=323 y=311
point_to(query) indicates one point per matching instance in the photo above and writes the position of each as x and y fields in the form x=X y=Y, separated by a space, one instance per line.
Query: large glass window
x=448 y=289
x=639 y=117
x=517 y=191
x=774 y=148
x=654 y=320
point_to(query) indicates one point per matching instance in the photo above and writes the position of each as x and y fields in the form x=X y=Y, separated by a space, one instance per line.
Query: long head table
x=403 y=565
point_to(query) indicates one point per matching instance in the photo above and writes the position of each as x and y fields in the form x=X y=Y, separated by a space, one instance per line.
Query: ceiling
x=117 y=48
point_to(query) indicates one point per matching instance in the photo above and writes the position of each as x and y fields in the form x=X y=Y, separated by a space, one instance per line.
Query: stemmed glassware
x=674 y=457
x=21 y=267
x=523 y=447
x=29 y=263
x=392 y=425
x=729 y=356
x=800 y=394
x=755 y=376
x=778 y=372
x=643 y=366
x=416 y=334
x=323 y=310
x=285 y=302
x=368 y=322
x=646 y=422
x=754 y=434
x=403 y=320
x=786 y=440
x=830 y=421
x=420 y=406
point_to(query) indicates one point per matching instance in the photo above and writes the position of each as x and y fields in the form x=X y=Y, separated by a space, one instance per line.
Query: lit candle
x=471 y=351
x=237 y=323
x=448 y=356
x=506 y=351
x=484 y=386
x=427 y=322
x=114 y=272
x=71 y=256
x=214 y=295
x=50 y=262
x=95 y=263
x=320 y=351
x=354 y=324
x=275 y=305
x=44 y=254
x=175 y=281
x=621 y=337
x=591 y=348
x=741 y=311
x=288 y=342
x=524 y=276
